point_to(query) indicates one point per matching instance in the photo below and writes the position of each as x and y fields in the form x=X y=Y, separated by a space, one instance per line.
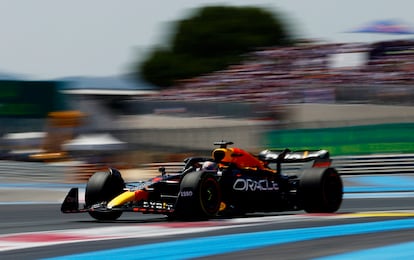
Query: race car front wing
x=71 y=205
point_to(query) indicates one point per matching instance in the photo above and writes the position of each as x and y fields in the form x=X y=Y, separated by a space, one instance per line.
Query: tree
x=213 y=38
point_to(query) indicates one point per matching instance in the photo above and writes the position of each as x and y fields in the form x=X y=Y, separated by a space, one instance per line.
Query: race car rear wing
x=286 y=156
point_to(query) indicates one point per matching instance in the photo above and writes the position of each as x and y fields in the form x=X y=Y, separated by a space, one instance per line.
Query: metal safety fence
x=12 y=171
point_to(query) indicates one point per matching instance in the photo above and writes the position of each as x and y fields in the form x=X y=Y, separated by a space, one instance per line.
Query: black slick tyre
x=199 y=197
x=103 y=187
x=320 y=190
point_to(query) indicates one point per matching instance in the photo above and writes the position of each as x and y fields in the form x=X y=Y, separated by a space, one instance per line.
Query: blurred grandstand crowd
x=262 y=86
x=284 y=74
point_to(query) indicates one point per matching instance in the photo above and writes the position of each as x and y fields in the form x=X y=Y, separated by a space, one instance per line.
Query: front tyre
x=320 y=190
x=103 y=187
x=199 y=197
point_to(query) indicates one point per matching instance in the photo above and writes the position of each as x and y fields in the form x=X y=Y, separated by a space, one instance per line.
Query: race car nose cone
x=121 y=199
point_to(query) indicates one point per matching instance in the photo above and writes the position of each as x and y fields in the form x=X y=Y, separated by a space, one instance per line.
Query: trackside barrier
x=12 y=171
x=374 y=164
x=367 y=164
x=346 y=165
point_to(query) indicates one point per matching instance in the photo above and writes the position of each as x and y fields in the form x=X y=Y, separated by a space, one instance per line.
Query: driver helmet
x=209 y=166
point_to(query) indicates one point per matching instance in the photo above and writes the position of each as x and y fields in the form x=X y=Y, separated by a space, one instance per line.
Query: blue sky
x=46 y=39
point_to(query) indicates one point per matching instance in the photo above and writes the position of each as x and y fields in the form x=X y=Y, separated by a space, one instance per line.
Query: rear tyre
x=320 y=190
x=199 y=198
x=103 y=187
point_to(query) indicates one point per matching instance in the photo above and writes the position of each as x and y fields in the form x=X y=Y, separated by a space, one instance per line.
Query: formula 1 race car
x=231 y=182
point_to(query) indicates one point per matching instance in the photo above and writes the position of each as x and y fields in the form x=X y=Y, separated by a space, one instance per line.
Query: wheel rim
x=210 y=196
